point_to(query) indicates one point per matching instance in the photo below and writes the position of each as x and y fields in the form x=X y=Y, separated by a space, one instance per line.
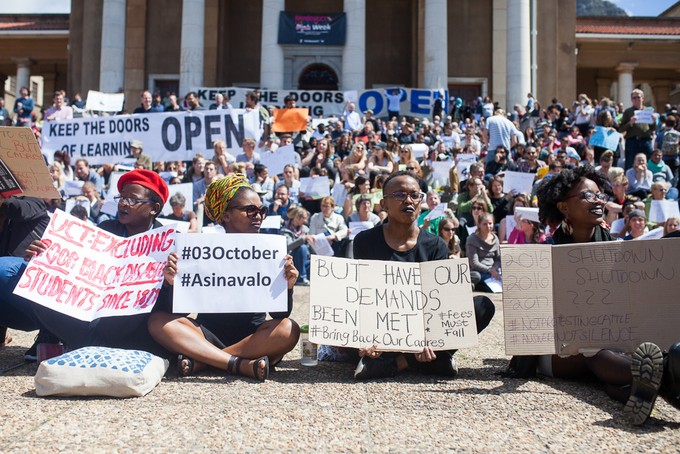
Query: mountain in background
x=598 y=8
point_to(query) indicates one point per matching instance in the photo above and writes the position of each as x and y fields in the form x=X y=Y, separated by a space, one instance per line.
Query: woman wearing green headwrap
x=240 y=344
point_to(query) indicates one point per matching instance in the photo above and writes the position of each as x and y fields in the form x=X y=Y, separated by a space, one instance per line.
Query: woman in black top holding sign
x=401 y=240
x=573 y=202
x=243 y=343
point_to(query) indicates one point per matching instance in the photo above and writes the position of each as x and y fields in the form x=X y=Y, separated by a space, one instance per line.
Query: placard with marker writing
x=396 y=306
x=580 y=298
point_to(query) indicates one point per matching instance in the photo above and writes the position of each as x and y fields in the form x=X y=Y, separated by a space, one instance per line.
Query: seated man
x=401 y=239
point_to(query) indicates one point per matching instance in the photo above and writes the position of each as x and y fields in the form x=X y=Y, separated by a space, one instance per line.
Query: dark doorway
x=466 y=92
x=162 y=87
x=318 y=77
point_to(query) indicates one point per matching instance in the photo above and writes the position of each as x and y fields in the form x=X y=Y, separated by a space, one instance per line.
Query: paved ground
x=321 y=409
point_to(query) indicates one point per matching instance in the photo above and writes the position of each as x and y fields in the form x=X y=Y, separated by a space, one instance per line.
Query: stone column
x=271 y=55
x=499 y=54
x=625 y=85
x=354 y=52
x=436 y=50
x=191 y=48
x=112 y=61
x=23 y=74
x=519 y=52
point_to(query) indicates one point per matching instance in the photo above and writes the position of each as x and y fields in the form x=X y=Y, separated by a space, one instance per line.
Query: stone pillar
x=112 y=62
x=519 y=52
x=354 y=52
x=499 y=66
x=625 y=85
x=191 y=50
x=23 y=74
x=436 y=50
x=271 y=55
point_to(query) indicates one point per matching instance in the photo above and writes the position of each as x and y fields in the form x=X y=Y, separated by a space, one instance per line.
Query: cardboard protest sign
x=230 y=273
x=397 y=306
x=605 y=138
x=290 y=120
x=176 y=136
x=88 y=273
x=580 y=298
x=21 y=156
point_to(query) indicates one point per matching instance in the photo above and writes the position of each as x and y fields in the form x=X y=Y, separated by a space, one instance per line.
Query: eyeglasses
x=477 y=207
x=448 y=229
x=591 y=197
x=410 y=168
x=251 y=210
x=401 y=196
x=129 y=201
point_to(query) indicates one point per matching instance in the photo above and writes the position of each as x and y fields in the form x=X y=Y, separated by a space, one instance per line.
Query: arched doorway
x=318 y=76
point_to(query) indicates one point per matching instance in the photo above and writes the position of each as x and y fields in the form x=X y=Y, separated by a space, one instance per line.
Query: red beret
x=148 y=179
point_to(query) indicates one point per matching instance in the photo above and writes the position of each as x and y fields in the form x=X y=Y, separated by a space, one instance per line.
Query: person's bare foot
x=5 y=336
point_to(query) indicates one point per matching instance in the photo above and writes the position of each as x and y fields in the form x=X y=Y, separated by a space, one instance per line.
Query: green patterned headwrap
x=220 y=192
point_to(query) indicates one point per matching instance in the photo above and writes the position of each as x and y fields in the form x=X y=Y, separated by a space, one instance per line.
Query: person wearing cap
x=238 y=343
x=142 y=196
x=142 y=159
x=635 y=225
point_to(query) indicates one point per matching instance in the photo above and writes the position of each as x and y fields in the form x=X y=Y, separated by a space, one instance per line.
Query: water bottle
x=308 y=350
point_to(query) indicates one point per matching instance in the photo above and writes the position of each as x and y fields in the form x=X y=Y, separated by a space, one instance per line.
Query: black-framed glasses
x=410 y=168
x=477 y=207
x=130 y=201
x=401 y=196
x=251 y=210
x=448 y=229
x=591 y=197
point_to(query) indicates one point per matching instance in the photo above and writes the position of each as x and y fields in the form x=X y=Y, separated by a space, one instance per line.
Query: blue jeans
x=635 y=146
x=15 y=312
x=301 y=260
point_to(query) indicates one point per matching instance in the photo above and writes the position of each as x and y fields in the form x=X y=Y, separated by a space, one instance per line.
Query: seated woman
x=526 y=232
x=505 y=226
x=671 y=225
x=243 y=343
x=401 y=240
x=178 y=202
x=447 y=232
x=296 y=231
x=483 y=251
x=363 y=213
x=330 y=224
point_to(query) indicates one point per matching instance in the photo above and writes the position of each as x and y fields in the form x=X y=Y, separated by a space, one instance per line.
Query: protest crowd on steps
x=452 y=167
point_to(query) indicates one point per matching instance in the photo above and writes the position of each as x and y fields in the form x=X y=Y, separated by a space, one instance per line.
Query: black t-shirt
x=371 y=245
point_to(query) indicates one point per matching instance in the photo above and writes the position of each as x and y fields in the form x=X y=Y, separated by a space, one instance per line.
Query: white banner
x=88 y=273
x=414 y=101
x=166 y=136
x=230 y=273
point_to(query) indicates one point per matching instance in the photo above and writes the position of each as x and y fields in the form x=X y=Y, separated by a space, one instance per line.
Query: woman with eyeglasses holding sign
x=243 y=343
x=400 y=239
x=573 y=202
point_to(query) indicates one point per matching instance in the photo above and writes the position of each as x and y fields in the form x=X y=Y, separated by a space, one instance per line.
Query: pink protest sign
x=88 y=273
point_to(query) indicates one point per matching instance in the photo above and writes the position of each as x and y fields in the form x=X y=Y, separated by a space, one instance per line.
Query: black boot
x=670 y=387
x=647 y=370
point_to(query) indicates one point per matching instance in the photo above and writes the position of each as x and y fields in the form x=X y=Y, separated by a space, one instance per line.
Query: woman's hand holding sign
x=290 y=272
x=170 y=269
x=37 y=247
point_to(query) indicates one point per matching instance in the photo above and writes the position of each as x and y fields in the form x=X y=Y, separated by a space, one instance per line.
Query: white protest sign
x=510 y=224
x=186 y=189
x=339 y=193
x=528 y=213
x=179 y=226
x=419 y=150
x=212 y=229
x=463 y=165
x=73 y=187
x=71 y=203
x=660 y=210
x=396 y=306
x=356 y=227
x=230 y=273
x=322 y=246
x=88 y=273
x=315 y=187
x=175 y=136
x=654 y=234
x=573 y=298
x=276 y=161
x=438 y=211
x=440 y=173
x=520 y=182
x=645 y=116
x=271 y=222
x=104 y=102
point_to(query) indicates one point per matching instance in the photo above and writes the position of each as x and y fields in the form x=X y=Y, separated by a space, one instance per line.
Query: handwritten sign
x=601 y=295
x=645 y=116
x=605 y=138
x=463 y=165
x=397 y=306
x=520 y=182
x=21 y=155
x=230 y=273
x=88 y=273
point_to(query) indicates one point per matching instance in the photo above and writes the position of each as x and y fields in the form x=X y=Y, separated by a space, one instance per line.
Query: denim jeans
x=301 y=260
x=15 y=312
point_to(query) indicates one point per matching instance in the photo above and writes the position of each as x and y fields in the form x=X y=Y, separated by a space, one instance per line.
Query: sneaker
x=444 y=365
x=32 y=353
x=303 y=281
x=647 y=371
x=375 y=368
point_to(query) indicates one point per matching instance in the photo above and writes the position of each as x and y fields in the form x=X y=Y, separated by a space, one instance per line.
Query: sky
x=633 y=7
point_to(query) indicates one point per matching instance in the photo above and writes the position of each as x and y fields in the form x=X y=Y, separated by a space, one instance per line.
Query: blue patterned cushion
x=133 y=361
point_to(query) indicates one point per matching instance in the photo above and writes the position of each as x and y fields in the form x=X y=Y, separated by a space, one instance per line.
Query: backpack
x=669 y=143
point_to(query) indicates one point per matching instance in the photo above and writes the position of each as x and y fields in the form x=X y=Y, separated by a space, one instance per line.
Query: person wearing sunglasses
x=238 y=343
x=142 y=196
x=400 y=239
